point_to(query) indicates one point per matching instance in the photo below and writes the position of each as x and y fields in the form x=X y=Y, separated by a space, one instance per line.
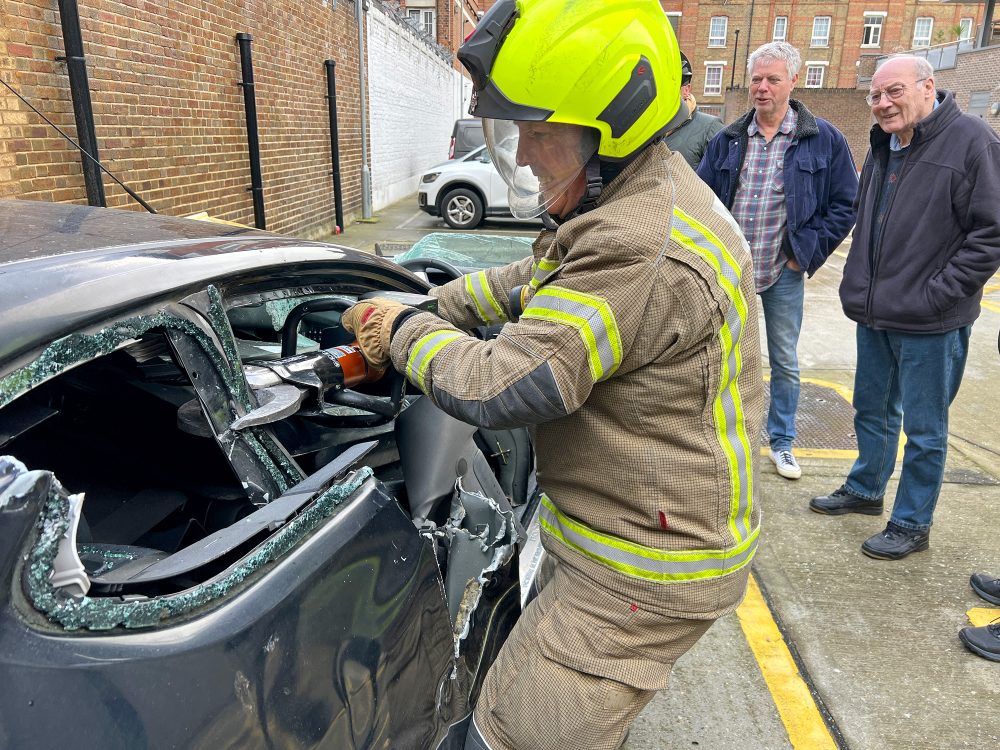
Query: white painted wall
x=414 y=99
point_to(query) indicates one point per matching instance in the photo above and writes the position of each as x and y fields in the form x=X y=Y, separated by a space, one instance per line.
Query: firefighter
x=629 y=344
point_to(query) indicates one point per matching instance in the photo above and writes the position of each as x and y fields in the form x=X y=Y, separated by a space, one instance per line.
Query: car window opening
x=117 y=419
x=137 y=611
x=132 y=401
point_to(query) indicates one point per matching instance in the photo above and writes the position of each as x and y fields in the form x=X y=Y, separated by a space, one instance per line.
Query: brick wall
x=415 y=97
x=844 y=108
x=169 y=114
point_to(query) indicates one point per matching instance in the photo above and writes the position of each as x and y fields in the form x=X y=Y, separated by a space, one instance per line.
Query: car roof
x=63 y=267
x=30 y=229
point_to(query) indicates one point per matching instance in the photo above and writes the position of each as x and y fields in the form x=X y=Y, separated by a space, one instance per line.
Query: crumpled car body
x=192 y=557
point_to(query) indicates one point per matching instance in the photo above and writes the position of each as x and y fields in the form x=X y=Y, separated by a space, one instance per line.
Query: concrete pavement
x=836 y=650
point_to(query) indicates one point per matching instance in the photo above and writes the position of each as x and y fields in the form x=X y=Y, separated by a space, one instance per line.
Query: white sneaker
x=786 y=464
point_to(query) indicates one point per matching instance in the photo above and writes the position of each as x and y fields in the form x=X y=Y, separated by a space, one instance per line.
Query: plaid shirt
x=759 y=206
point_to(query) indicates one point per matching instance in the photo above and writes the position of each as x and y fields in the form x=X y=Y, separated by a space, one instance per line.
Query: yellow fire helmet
x=611 y=65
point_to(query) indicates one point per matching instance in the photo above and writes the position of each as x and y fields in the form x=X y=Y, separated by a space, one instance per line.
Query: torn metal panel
x=481 y=537
x=42 y=489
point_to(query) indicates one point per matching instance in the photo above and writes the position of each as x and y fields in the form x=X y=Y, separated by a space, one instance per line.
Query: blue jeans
x=908 y=380
x=782 y=303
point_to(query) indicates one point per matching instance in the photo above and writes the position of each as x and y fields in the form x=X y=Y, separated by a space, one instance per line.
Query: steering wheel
x=421 y=266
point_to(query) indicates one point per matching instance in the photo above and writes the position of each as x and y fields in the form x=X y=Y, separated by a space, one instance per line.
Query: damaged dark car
x=218 y=526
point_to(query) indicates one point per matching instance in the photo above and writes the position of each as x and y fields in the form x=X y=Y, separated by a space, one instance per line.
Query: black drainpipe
x=250 y=105
x=986 y=33
x=749 y=41
x=331 y=97
x=83 y=112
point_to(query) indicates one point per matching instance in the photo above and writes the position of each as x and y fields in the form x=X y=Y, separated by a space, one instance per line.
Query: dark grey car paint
x=342 y=641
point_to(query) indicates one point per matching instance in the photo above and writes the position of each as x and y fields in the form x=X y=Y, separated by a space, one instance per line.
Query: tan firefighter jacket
x=637 y=361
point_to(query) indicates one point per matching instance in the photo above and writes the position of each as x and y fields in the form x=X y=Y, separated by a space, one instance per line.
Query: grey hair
x=921 y=66
x=777 y=51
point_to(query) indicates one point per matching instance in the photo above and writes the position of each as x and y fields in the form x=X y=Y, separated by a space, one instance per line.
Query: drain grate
x=825 y=420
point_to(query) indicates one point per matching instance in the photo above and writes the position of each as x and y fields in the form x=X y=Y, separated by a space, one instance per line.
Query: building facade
x=446 y=22
x=839 y=41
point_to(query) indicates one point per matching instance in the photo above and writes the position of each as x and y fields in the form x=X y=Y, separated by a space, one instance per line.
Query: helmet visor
x=542 y=163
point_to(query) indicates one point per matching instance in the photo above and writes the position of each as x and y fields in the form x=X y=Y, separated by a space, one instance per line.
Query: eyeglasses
x=893 y=92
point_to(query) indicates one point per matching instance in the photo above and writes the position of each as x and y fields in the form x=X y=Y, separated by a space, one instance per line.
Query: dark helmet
x=686 y=73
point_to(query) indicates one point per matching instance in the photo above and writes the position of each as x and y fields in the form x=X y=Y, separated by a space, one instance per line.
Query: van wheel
x=462 y=209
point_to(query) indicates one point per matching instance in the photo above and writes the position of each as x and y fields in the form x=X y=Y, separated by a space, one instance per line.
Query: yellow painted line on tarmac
x=980 y=616
x=843 y=390
x=796 y=707
x=816 y=453
x=991 y=288
x=990 y=306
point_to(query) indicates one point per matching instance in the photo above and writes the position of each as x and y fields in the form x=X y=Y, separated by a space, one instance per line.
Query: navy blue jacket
x=941 y=241
x=821 y=182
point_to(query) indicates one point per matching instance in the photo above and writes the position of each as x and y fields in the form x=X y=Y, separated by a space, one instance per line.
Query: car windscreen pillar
x=253 y=142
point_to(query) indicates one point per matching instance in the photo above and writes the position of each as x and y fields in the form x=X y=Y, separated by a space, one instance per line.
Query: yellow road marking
x=817 y=453
x=795 y=704
x=990 y=306
x=991 y=288
x=980 y=616
x=843 y=390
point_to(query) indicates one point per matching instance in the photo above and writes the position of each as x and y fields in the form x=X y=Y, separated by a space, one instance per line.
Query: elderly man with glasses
x=926 y=242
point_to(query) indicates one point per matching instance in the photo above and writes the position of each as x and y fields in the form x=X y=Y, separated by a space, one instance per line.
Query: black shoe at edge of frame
x=842 y=500
x=988 y=587
x=984 y=641
x=895 y=543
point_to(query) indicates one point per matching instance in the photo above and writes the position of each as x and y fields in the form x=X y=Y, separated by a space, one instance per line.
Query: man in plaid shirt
x=780 y=148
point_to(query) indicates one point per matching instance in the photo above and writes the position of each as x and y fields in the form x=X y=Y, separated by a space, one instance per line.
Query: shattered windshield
x=469 y=251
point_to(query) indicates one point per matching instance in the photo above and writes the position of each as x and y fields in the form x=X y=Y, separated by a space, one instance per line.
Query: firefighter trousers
x=578 y=667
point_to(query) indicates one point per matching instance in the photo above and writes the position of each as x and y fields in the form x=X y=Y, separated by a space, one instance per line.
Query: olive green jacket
x=692 y=137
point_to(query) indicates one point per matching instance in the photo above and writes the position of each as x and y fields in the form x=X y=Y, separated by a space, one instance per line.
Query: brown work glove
x=371 y=321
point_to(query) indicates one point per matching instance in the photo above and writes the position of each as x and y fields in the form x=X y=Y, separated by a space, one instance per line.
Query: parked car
x=463 y=191
x=217 y=527
x=466 y=135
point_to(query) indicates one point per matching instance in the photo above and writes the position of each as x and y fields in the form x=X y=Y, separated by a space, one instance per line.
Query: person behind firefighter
x=692 y=136
x=629 y=344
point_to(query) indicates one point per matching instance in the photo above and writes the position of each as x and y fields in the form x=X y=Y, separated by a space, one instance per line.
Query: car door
x=173 y=580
